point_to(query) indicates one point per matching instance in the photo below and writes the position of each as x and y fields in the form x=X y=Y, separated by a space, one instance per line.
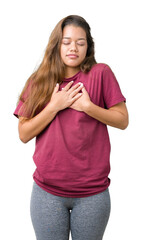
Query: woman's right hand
x=64 y=98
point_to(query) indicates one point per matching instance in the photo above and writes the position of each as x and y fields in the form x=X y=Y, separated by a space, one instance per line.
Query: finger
x=75 y=89
x=76 y=97
x=56 y=88
x=83 y=89
x=67 y=87
x=76 y=86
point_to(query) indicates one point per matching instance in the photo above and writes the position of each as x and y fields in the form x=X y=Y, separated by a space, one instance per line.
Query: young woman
x=67 y=104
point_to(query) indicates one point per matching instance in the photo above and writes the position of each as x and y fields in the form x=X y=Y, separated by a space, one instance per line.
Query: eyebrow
x=77 y=39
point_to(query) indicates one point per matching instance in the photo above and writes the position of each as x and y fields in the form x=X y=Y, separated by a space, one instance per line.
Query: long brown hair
x=40 y=85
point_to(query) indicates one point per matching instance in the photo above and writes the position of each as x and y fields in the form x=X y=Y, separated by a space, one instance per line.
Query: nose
x=73 y=47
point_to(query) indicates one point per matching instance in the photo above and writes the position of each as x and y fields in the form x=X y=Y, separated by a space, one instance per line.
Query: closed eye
x=66 y=43
x=81 y=44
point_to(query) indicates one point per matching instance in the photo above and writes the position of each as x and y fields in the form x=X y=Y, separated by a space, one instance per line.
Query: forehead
x=71 y=31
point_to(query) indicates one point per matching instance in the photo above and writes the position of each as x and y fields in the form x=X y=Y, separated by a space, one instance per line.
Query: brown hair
x=40 y=85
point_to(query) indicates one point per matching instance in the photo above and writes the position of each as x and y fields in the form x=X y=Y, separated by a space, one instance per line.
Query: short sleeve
x=111 y=90
x=19 y=111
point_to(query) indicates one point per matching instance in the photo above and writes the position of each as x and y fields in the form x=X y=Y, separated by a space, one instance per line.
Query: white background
x=25 y=29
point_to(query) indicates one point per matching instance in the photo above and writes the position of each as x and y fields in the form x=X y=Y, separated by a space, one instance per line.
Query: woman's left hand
x=81 y=103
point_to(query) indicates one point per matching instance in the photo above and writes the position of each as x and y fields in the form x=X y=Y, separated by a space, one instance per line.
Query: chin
x=74 y=65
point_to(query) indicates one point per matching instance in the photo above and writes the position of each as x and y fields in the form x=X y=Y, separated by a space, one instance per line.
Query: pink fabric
x=16 y=112
x=72 y=153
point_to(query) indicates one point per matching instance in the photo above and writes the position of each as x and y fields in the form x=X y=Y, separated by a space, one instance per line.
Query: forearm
x=31 y=128
x=107 y=116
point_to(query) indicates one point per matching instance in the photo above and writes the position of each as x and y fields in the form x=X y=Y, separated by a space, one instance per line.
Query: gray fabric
x=53 y=217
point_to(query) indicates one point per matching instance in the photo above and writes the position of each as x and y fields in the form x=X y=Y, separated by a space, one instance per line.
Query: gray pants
x=53 y=216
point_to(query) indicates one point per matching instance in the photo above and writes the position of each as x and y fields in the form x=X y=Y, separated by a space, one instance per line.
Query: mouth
x=72 y=56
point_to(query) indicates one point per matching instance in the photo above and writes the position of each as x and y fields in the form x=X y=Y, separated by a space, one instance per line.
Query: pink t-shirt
x=72 y=153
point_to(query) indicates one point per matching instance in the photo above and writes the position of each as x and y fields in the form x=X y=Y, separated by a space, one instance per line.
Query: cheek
x=63 y=52
x=84 y=52
x=63 y=49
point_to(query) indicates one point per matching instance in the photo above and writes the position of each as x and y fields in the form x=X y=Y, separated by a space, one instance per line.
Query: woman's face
x=73 y=47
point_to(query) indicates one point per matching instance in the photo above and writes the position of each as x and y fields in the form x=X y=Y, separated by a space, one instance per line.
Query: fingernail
x=57 y=84
x=81 y=84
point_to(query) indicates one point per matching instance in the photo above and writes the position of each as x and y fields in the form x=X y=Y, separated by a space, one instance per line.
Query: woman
x=67 y=104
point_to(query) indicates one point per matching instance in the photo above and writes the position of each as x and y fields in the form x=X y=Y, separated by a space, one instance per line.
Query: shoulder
x=99 y=72
x=100 y=67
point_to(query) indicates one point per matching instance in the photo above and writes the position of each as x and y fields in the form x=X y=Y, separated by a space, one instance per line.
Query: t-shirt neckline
x=73 y=77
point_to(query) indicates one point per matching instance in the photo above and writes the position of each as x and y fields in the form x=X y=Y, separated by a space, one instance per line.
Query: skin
x=73 y=51
x=73 y=43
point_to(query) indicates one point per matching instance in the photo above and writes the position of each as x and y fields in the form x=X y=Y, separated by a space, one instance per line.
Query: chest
x=93 y=84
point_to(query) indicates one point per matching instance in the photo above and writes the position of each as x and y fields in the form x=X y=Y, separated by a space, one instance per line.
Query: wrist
x=86 y=106
x=52 y=108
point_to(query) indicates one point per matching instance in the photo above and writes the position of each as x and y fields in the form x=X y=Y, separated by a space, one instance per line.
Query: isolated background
x=25 y=27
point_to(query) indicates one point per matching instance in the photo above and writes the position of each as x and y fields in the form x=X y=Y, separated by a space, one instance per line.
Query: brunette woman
x=67 y=104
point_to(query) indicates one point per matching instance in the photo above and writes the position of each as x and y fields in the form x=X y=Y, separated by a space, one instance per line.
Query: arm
x=28 y=129
x=116 y=116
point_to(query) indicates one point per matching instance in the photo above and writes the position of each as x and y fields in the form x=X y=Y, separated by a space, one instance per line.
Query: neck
x=69 y=72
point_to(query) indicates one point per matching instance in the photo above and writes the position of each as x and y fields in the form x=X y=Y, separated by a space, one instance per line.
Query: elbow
x=23 y=134
x=124 y=123
x=23 y=139
x=124 y=126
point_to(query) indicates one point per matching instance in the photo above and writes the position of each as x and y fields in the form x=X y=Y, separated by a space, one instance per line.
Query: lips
x=72 y=56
